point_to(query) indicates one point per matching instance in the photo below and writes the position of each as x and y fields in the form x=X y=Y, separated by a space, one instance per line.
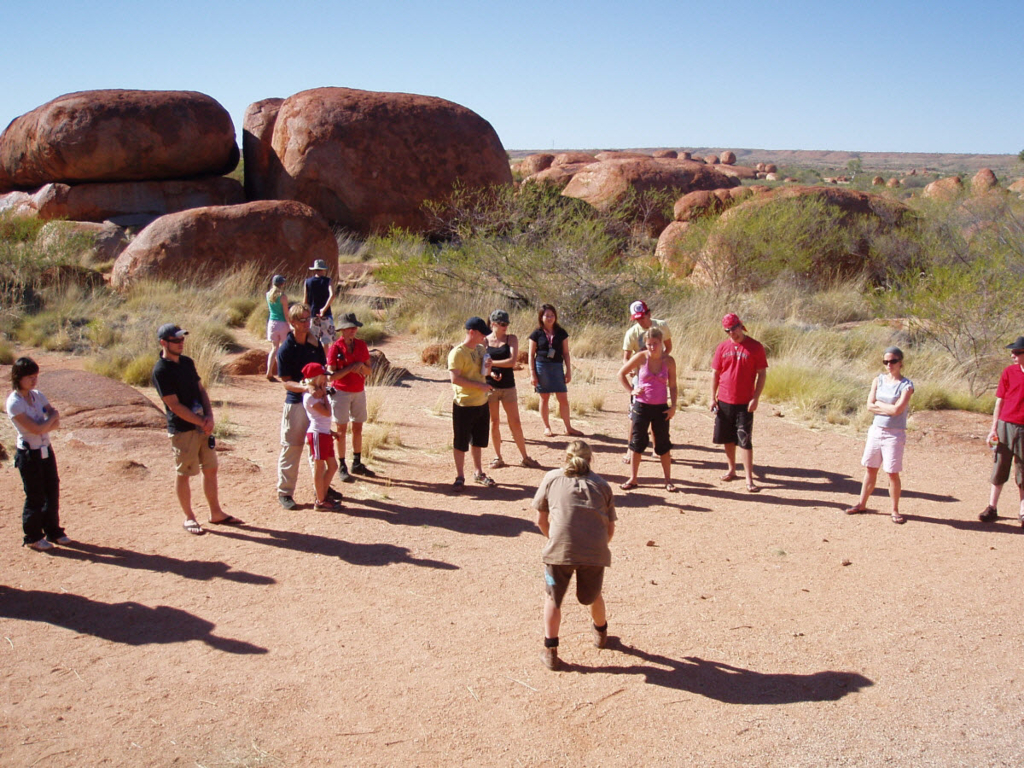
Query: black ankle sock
x=357 y=459
x=550 y=642
x=342 y=466
x=603 y=628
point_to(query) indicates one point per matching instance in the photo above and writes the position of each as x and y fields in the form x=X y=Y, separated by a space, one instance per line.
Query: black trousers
x=42 y=494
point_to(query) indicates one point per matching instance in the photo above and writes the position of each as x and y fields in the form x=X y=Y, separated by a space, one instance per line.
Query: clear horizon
x=902 y=76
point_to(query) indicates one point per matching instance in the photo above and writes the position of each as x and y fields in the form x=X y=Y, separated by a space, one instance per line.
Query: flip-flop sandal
x=548 y=433
x=854 y=510
x=530 y=463
x=898 y=518
x=728 y=478
x=229 y=520
x=497 y=463
x=670 y=487
x=574 y=433
x=459 y=484
x=751 y=488
x=626 y=459
x=193 y=527
x=628 y=486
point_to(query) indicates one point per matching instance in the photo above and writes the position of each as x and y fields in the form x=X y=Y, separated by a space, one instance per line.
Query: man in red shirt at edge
x=348 y=364
x=739 y=367
x=1007 y=433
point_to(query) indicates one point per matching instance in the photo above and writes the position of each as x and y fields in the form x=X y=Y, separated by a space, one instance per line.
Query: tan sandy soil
x=746 y=630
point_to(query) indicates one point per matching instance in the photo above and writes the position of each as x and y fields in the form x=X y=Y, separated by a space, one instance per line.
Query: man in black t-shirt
x=301 y=346
x=189 y=425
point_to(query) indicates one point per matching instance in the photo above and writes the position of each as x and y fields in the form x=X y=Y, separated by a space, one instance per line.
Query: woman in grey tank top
x=888 y=401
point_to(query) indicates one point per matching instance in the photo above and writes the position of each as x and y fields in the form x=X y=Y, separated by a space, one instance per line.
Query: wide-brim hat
x=1018 y=344
x=348 y=321
x=318 y=264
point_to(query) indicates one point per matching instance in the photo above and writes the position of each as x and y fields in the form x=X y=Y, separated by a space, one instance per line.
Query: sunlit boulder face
x=367 y=161
x=279 y=235
x=944 y=189
x=118 y=135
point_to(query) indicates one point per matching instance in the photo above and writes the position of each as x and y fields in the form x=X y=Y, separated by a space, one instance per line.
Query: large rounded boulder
x=118 y=135
x=368 y=161
x=609 y=183
x=257 y=150
x=280 y=235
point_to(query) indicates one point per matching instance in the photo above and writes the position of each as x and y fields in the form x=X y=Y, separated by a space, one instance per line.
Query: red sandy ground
x=755 y=630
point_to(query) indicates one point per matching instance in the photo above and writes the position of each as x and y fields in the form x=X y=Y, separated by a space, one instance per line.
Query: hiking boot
x=329 y=505
x=286 y=501
x=344 y=476
x=550 y=658
x=40 y=546
x=600 y=636
x=988 y=514
x=362 y=469
x=334 y=495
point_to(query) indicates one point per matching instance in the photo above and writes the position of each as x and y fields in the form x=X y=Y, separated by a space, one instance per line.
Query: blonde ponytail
x=577 y=459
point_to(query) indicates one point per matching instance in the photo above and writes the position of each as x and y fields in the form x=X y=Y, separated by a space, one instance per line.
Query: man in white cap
x=318 y=293
x=633 y=342
x=189 y=425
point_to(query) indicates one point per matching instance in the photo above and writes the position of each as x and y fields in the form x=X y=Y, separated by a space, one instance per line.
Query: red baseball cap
x=312 y=370
x=638 y=309
x=731 y=320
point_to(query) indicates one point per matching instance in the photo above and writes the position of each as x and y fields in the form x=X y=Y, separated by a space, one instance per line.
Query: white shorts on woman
x=884 y=448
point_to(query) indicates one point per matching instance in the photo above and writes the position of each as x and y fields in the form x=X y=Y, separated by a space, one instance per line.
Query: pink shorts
x=277 y=331
x=321 y=446
x=884 y=448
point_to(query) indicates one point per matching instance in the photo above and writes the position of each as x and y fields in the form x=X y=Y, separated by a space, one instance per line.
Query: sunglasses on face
x=1017 y=352
x=302 y=319
x=893 y=361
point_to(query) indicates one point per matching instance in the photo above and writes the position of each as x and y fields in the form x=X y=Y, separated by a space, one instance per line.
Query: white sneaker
x=40 y=546
x=62 y=540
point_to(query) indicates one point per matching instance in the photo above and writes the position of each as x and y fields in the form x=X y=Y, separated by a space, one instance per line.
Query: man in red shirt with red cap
x=739 y=368
x=1007 y=433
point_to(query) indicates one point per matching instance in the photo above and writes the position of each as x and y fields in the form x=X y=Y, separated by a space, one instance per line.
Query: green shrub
x=238 y=310
x=7 y=355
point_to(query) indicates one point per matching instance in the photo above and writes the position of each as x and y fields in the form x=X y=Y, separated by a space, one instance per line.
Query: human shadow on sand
x=198 y=570
x=350 y=552
x=128 y=623
x=728 y=684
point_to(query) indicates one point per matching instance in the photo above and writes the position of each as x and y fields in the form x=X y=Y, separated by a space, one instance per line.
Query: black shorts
x=734 y=424
x=589 y=580
x=644 y=416
x=471 y=425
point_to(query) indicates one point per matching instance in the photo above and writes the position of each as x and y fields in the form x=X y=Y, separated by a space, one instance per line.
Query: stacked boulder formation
x=119 y=155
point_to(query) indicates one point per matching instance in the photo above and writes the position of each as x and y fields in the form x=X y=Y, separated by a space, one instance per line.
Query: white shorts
x=348 y=406
x=884 y=448
x=277 y=331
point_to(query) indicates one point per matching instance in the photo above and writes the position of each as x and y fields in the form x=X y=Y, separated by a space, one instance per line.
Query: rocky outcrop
x=257 y=150
x=711 y=159
x=1017 y=186
x=983 y=181
x=535 y=163
x=368 y=161
x=88 y=401
x=670 y=154
x=93 y=244
x=130 y=203
x=736 y=171
x=946 y=189
x=118 y=135
x=279 y=235
x=617 y=155
x=573 y=158
x=557 y=175
x=669 y=253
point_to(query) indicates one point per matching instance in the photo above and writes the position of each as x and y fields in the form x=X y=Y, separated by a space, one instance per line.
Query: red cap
x=731 y=320
x=312 y=370
x=638 y=309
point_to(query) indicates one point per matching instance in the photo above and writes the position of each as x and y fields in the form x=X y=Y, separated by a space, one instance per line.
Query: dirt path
x=407 y=629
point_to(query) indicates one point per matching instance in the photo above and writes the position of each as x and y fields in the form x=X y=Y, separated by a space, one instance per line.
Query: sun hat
x=638 y=309
x=318 y=264
x=731 y=320
x=170 y=331
x=1018 y=344
x=500 y=316
x=349 y=321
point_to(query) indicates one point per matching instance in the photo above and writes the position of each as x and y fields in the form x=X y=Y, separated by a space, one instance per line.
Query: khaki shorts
x=507 y=395
x=192 y=452
x=348 y=406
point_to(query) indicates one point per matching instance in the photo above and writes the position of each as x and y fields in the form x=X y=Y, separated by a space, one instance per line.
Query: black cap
x=478 y=324
x=170 y=331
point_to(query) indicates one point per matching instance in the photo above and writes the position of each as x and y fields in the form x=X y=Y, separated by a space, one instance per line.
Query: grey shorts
x=348 y=406
x=1009 y=449
x=589 y=580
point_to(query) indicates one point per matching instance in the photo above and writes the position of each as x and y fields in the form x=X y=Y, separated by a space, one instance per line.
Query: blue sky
x=899 y=76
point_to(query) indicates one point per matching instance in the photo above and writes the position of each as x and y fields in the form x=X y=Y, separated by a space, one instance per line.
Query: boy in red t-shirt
x=348 y=361
x=739 y=368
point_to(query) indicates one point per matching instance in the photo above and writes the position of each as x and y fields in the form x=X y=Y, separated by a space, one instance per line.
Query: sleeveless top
x=652 y=388
x=276 y=310
x=508 y=377
x=888 y=393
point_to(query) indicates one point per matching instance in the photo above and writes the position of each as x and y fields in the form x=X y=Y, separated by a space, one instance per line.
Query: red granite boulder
x=367 y=161
x=728 y=157
x=92 y=243
x=279 y=235
x=535 y=163
x=257 y=151
x=983 y=181
x=946 y=189
x=573 y=158
x=118 y=135
x=670 y=154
